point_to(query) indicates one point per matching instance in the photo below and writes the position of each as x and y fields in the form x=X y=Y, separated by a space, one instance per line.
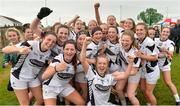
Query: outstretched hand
x=25 y=50
x=44 y=11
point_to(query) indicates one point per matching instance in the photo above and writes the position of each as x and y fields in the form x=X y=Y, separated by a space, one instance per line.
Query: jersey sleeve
x=55 y=61
x=90 y=73
x=171 y=46
x=136 y=62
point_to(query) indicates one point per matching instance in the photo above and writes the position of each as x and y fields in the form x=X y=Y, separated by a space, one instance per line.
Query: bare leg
x=37 y=93
x=22 y=96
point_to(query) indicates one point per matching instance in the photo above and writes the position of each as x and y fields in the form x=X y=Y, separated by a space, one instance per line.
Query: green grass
x=161 y=92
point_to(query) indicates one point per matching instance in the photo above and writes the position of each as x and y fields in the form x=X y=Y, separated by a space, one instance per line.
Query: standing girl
x=57 y=76
x=166 y=48
x=150 y=70
x=99 y=82
x=34 y=55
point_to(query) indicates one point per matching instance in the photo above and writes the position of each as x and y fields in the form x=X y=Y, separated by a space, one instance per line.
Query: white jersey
x=29 y=65
x=63 y=77
x=72 y=35
x=169 y=45
x=111 y=52
x=123 y=56
x=148 y=47
x=120 y=30
x=92 y=50
x=99 y=87
x=79 y=65
x=56 y=50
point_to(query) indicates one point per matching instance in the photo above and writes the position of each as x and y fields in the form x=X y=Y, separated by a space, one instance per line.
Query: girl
x=34 y=55
x=128 y=47
x=60 y=71
x=28 y=33
x=13 y=36
x=166 y=48
x=99 y=82
x=81 y=81
x=62 y=37
x=94 y=47
x=150 y=70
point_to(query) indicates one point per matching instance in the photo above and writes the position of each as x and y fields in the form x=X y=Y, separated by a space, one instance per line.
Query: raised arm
x=98 y=19
x=14 y=49
x=83 y=59
x=72 y=20
x=35 y=26
x=44 y=12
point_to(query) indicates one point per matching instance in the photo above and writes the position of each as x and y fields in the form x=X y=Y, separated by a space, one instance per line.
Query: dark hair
x=25 y=26
x=45 y=33
x=116 y=31
x=74 y=60
x=114 y=28
x=80 y=33
x=63 y=26
x=95 y=29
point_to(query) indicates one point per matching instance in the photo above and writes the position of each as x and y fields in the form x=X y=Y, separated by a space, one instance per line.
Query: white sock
x=123 y=102
x=176 y=96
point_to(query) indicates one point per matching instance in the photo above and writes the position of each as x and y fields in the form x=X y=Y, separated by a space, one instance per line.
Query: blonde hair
x=13 y=30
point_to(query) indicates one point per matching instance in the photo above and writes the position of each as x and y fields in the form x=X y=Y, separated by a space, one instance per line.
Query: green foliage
x=150 y=16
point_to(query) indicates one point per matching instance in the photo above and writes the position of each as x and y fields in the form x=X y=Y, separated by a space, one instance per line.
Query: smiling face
x=13 y=37
x=151 y=33
x=97 y=36
x=102 y=65
x=48 y=42
x=91 y=25
x=69 y=52
x=140 y=32
x=78 y=26
x=28 y=34
x=104 y=28
x=112 y=34
x=111 y=20
x=80 y=41
x=165 y=34
x=62 y=35
x=126 y=42
x=128 y=24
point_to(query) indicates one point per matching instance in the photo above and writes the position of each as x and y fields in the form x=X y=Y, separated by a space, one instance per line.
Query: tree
x=150 y=16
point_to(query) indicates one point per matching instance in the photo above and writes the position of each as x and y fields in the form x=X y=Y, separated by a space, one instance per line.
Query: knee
x=148 y=93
